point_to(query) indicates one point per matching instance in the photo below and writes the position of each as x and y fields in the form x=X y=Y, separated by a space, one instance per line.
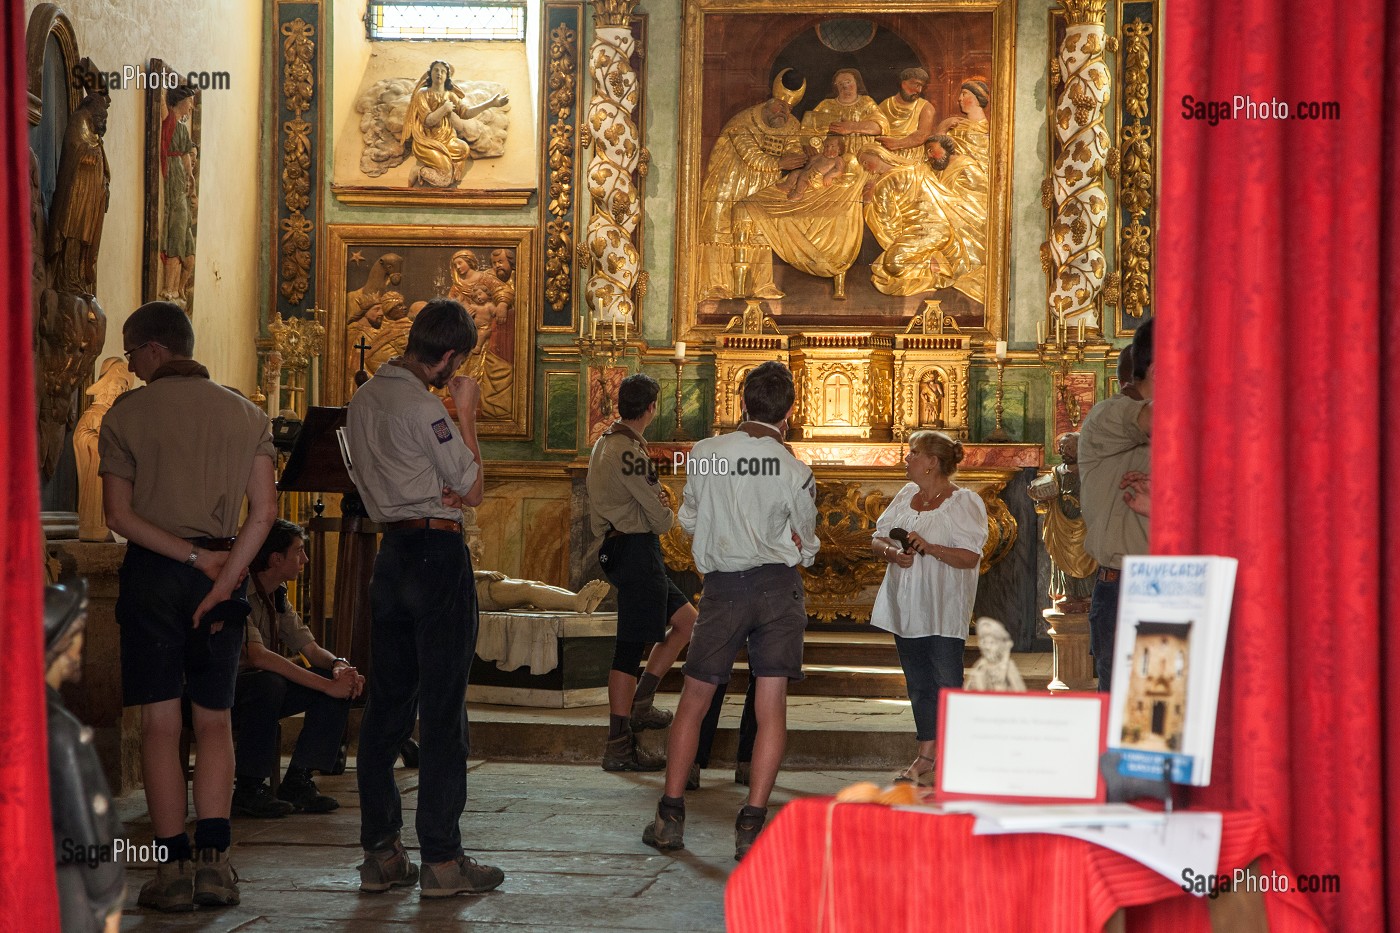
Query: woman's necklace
x=930 y=502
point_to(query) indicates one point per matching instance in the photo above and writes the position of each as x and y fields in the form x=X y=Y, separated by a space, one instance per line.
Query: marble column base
x=1069 y=634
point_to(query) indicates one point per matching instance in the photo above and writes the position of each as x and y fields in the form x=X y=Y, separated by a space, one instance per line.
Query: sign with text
x=1021 y=747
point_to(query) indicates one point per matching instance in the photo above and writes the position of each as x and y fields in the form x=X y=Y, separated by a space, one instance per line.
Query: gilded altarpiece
x=819 y=207
x=1138 y=67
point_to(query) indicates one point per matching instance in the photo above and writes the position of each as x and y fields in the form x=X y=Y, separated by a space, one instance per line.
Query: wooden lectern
x=315 y=465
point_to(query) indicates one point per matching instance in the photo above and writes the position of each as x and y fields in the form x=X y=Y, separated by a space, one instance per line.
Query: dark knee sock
x=177 y=848
x=618 y=726
x=646 y=687
x=672 y=805
x=760 y=813
x=214 y=834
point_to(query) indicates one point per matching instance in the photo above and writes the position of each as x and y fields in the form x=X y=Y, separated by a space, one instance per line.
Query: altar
x=547 y=659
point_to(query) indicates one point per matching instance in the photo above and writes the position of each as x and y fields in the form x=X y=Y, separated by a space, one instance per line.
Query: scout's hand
x=342 y=687
x=214 y=597
x=451 y=499
x=210 y=563
x=466 y=394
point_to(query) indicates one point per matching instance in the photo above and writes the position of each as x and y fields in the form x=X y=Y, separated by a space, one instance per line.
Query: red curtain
x=27 y=897
x=1276 y=391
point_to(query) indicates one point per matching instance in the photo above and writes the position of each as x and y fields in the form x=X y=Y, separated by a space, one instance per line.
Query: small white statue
x=994 y=671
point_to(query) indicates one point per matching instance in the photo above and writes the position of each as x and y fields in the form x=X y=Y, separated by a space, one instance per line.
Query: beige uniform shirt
x=1110 y=444
x=186 y=445
x=622 y=486
x=293 y=635
x=404 y=449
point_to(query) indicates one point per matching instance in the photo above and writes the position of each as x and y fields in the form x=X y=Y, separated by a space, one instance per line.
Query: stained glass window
x=446 y=19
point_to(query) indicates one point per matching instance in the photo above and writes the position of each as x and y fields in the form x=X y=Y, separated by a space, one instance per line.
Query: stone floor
x=567 y=836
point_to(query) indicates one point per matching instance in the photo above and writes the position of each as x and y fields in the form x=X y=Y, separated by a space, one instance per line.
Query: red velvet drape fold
x=1275 y=377
x=27 y=897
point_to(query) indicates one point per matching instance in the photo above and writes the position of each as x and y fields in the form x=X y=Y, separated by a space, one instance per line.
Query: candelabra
x=998 y=434
x=1061 y=352
x=608 y=347
x=678 y=361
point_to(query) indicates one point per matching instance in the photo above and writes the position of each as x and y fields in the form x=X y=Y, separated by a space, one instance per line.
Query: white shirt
x=404 y=448
x=931 y=597
x=744 y=498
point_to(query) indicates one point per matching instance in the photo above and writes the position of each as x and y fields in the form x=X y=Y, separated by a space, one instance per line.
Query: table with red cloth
x=827 y=867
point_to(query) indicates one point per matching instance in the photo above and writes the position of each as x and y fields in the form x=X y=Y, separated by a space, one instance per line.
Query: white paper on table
x=1178 y=843
x=1021 y=745
x=1016 y=817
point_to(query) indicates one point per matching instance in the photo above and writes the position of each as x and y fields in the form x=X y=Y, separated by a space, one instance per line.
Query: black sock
x=618 y=726
x=213 y=833
x=297 y=775
x=673 y=804
x=245 y=782
x=177 y=848
x=646 y=687
x=760 y=812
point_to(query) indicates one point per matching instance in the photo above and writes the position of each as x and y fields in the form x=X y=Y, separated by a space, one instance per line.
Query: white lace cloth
x=531 y=638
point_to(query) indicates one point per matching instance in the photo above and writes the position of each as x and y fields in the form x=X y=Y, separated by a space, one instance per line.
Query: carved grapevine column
x=1074 y=192
x=615 y=281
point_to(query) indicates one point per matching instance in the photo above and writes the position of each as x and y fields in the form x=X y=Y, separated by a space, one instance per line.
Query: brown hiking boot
x=387 y=868
x=172 y=888
x=463 y=875
x=623 y=754
x=645 y=715
x=666 y=831
x=746 y=830
x=215 y=881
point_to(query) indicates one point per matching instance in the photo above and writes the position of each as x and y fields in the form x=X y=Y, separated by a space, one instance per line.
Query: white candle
x=593 y=328
x=274 y=397
x=1039 y=331
x=1081 y=330
x=315 y=393
x=680 y=350
x=1001 y=349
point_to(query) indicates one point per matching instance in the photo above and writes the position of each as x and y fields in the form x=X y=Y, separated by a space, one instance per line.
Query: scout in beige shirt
x=178 y=459
x=626 y=507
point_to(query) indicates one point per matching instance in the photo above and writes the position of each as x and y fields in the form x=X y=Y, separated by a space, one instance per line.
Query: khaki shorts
x=764 y=608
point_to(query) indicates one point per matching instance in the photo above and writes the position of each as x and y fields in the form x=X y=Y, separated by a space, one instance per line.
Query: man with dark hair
x=753 y=515
x=1115 y=439
x=415 y=473
x=909 y=116
x=628 y=509
x=271 y=688
x=178 y=458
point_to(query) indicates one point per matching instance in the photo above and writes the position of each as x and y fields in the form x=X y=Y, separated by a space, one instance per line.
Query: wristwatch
x=193 y=559
x=340 y=661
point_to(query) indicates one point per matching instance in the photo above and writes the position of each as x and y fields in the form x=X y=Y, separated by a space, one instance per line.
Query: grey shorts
x=764 y=608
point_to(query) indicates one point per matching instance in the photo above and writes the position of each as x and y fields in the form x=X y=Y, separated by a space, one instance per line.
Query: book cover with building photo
x=1173 y=618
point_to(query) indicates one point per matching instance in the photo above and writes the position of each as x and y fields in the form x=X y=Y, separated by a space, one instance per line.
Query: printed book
x=1173 y=616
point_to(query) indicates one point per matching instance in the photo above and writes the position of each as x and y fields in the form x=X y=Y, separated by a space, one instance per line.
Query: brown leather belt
x=424 y=524
x=213 y=544
x=1108 y=574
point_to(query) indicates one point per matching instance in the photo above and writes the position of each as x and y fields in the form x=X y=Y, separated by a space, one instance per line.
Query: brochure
x=1173 y=617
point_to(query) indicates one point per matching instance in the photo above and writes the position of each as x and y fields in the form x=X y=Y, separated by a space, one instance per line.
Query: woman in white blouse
x=926 y=597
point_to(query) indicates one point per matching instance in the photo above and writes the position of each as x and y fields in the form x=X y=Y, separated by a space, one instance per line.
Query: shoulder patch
x=442 y=431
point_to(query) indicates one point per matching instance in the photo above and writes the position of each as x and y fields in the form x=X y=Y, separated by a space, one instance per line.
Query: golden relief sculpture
x=1137 y=172
x=562 y=84
x=298 y=88
x=1081 y=152
x=614 y=168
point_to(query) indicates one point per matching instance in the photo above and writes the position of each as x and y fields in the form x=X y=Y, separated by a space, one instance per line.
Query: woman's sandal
x=923 y=778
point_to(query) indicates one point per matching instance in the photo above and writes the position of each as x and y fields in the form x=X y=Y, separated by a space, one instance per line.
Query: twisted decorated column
x=1074 y=192
x=615 y=280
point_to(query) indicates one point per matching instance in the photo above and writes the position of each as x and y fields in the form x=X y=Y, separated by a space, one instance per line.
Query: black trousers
x=261 y=699
x=422 y=637
x=748 y=726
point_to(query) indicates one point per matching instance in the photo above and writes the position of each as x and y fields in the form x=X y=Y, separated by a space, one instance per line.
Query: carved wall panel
x=297 y=220
x=558 y=190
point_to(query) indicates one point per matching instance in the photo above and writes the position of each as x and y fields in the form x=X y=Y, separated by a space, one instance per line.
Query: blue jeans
x=930 y=664
x=422 y=637
x=1103 y=626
